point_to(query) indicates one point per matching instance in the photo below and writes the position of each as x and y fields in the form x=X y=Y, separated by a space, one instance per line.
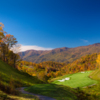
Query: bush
x=82 y=95
x=8 y=89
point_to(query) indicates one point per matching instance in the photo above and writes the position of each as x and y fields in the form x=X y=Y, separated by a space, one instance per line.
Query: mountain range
x=66 y=55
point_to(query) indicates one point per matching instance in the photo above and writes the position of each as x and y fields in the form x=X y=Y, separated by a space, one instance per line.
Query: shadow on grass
x=58 y=92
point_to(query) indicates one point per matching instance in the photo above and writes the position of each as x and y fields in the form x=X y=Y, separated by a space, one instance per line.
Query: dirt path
x=41 y=97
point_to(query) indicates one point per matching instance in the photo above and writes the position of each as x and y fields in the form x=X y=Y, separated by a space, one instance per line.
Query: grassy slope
x=6 y=72
x=19 y=97
x=56 y=91
x=95 y=75
x=52 y=90
x=76 y=80
x=95 y=90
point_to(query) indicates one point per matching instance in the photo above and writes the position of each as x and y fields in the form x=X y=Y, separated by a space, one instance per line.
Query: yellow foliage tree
x=98 y=60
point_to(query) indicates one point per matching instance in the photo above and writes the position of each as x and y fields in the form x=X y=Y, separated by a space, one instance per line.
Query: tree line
x=7 y=41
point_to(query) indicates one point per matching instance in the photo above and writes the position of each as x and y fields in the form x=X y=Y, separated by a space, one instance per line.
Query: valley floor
x=59 y=92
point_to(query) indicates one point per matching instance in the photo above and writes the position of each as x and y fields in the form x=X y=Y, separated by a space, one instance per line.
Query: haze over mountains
x=64 y=54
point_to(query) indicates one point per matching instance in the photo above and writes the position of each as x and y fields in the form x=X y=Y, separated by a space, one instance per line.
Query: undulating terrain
x=11 y=78
x=64 y=54
x=59 y=91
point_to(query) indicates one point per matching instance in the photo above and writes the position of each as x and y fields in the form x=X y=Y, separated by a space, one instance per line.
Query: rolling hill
x=84 y=63
x=95 y=74
x=7 y=72
x=64 y=54
x=11 y=78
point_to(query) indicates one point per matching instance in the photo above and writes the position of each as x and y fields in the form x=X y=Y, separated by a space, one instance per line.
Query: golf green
x=76 y=80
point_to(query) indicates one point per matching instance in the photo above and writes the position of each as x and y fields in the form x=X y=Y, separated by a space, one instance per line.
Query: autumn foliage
x=47 y=70
x=6 y=43
x=44 y=70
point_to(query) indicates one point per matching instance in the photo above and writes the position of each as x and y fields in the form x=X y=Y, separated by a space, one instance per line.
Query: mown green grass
x=7 y=72
x=58 y=92
x=76 y=80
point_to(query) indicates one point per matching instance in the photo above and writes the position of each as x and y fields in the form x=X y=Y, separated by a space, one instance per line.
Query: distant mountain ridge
x=64 y=54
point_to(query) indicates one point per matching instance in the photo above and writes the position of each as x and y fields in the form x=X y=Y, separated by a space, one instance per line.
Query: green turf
x=76 y=80
x=94 y=90
x=6 y=72
x=58 y=92
x=95 y=74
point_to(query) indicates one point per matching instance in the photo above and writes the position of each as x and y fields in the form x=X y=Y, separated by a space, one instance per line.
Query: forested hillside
x=49 y=69
x=84 y=63
x=66 y=55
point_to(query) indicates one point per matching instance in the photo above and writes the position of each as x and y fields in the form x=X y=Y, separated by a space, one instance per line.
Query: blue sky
x=47 y=24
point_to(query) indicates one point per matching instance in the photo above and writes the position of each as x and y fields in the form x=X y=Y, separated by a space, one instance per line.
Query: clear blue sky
x=52 y=23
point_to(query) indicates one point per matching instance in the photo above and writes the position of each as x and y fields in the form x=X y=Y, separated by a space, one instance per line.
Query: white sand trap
x=64 y=79
x=67 y=78
x=61 y=80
